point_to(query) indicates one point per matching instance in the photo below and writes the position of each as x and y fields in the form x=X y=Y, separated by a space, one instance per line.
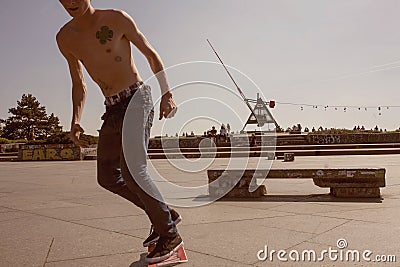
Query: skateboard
x=178 y=257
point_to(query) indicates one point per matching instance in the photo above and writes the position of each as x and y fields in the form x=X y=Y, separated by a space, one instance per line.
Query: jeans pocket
x=150 y=118
x=146 y=92
x=149 y=124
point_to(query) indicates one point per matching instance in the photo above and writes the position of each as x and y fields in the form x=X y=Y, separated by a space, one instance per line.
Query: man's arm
x=78 y=91
x=167 y=106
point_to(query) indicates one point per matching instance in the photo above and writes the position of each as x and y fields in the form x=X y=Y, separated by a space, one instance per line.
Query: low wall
x=194 y=142
x=310 y=139
x=6 y=148
x=350 y=138
x=49 y=152
x=184 y=142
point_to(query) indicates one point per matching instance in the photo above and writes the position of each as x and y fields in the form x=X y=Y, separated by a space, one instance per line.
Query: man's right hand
x=76 y=131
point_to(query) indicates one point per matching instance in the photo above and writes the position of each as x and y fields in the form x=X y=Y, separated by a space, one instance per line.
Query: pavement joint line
x=316 y=235
x=111 y=217
x=48 y=252
x=76 y=223
x=7 y=211
x=284 y=204
x=333 y=217
x=291 y=230
x=358 y=220
x=318 y=213
x=238 y=220
x=92 y=257
x=2 y=221
x=318 y=243
x=359 y=209
x=78 y=203
x=19 y=182
x=232 y=221
x=194 y=224
x=254 y=208
x=131 y=235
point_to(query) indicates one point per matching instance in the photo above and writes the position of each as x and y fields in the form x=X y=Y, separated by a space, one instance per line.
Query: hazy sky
x=336 y=52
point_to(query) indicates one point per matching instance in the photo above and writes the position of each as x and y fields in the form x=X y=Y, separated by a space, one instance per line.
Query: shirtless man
x=100 y=41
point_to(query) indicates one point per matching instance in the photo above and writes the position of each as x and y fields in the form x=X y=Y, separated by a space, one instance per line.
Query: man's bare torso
x=104 y=51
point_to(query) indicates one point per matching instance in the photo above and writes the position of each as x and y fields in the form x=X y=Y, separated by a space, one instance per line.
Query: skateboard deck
x=178 y=257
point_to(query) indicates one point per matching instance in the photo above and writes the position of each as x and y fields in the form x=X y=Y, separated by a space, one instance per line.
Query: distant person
x=253 y=140
x=100 y=40
x=222 y=132
x=299 y=128
x=228 y=128
x=213 y=131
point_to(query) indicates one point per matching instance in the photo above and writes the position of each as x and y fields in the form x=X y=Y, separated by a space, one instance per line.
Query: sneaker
x=153 y=237
x=175 y=216
x=166 y=246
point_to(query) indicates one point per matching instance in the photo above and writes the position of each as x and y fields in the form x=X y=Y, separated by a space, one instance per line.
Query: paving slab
x=302 y=223
x=390 y=216
x=58 y=216
x=309 y=208
x=24 y=251
x=118 y=223
x=379 y=238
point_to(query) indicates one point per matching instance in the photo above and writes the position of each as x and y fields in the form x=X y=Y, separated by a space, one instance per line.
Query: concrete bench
x=342 y=182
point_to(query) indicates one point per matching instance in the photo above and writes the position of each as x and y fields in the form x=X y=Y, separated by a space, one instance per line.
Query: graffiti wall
x=49 y=152
x=356 y=138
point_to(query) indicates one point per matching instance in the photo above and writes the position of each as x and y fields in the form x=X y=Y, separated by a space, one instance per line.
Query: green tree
x=1 y=126
x=30 y=121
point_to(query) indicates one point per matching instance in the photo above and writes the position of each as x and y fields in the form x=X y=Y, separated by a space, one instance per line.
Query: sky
x=341 y=53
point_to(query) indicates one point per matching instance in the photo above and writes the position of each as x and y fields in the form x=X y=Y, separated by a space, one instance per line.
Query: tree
x=1 y=126
x=30 y=121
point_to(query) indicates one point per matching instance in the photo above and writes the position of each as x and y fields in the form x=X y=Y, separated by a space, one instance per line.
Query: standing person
x=228 y=128
x=100 y=41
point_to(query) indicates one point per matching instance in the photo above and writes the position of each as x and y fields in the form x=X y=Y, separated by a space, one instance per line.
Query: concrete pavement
x=55 y=214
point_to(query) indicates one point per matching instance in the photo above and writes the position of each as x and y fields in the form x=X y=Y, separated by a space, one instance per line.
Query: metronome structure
x=261 y=115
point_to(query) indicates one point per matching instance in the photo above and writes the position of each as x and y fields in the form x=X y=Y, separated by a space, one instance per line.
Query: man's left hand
x=168 y=107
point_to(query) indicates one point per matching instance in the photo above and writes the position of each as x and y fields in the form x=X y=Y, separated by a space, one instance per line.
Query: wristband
x=167 y=94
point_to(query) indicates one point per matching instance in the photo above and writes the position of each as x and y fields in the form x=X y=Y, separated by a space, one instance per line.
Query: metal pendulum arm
x=237 y=86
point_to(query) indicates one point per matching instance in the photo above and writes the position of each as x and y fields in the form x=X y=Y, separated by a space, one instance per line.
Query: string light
x=336 y=107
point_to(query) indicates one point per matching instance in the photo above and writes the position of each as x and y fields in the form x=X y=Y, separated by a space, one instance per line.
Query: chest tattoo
x=104 y=34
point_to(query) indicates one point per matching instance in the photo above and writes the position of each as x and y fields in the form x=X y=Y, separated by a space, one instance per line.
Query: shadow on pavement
x=141 y=262
x=298 y=198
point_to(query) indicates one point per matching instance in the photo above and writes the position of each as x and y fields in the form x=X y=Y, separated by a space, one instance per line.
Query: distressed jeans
x=113 y=172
